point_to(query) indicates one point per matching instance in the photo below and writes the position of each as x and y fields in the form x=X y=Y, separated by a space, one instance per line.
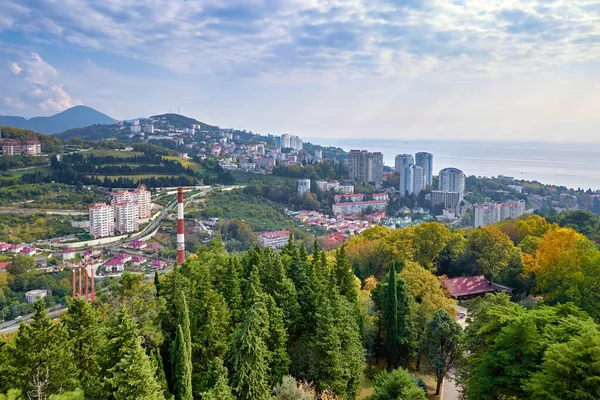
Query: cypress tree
x=400 y=334
x=161 y=378
x=183 y=321
x=182 y=367
x=157 y=283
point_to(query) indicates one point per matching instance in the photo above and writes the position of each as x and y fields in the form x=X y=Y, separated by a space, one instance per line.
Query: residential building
x=290 y=141
x=450 y=200
x=411 y=179
x=114 y=265
x=339 y=198
x=127 y=217
x=365 y=167
x=358 y=207
x=102 y=220
x=68 y=254
x=31 y=148
x=425 y=161
x=143 y=198
x=303 y=186
x=335 y=186
x=318 y=154
x=403 y=159
x=490 y=213
x=11 y=148
x=274 y=240
x=452 y=180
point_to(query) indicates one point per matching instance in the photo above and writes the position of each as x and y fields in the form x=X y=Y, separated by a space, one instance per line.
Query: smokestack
x=80 y=268
x=74 y=291
x=93 y=287
x=180 y=228
x=87 y=278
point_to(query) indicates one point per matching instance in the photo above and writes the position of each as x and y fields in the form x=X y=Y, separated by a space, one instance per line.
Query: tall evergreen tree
x=182 y=367
x=351 y=346
x=217 y=385
x=161 y=378
x=249 y=355
x=232 y=289
x=290 y=248
x=398 y=322
x=43 y=354
x=276 y=340
x=283 y=291
x=86 y=334
x=125 y=372
x=346 y=280
x=157 y=283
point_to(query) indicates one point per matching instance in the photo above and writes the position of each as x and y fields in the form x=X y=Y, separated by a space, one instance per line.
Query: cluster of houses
x=17 y=249
x=346 y=224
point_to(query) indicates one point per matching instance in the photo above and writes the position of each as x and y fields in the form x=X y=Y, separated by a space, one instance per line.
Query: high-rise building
x=142 y=197
x=425 y=161
x=452 y=180
x=102 y=220
x=450 y=200
x=365 y=167
x=303 y=186
x=411 y=179
x=318 y=154
x=403 y=159
x=127 y=216
x=290 y=141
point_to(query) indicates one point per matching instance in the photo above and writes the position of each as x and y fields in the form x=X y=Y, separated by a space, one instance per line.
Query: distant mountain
x=179 y=121
x=75 y=117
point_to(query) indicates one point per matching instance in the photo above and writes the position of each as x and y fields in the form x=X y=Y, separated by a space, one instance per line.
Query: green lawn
x=46 y=170
x=186 y=163
x=113 y=153
x=135 y=178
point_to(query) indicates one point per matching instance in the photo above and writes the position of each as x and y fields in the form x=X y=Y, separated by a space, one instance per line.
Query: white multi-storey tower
x=452 y=180
x=127 y=216
x=411 y=179
x=403 y=159
x=102 y=220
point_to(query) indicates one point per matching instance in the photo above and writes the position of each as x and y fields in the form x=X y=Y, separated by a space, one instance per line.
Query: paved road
x=450 y=389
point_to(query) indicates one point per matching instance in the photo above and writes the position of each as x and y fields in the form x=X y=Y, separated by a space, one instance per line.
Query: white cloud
x=39 y=86
x=332 y=39
x=15 y=69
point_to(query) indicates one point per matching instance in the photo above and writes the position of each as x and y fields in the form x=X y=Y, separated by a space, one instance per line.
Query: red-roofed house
x=468 y=287
x=28 y=251
x=138 y=244
x=4 y=266
x=4 y=246
x=158 y=264
x=68 y=254
x=136 y=261
x=115 y=265
x=16 y=248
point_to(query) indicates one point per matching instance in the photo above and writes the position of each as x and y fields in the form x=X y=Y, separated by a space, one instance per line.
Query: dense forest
x=289 y=325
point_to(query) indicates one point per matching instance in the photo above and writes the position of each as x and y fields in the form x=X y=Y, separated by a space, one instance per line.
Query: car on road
x=461 y=315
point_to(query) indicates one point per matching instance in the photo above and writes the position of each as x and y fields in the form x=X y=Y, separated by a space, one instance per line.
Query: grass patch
x=45 y=170
x=135 y=178
x=248 y=177
x=112 y=153
x=186 y=162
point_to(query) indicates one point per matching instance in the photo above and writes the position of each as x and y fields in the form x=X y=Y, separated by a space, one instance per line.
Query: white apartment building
x=274 y=240
x=357 y=207
x=339 y=198
x=425 y=161
x=127 y=217
x=452 y=180
x=335 y=186
x=303 y=186
x=102 y=220
x=411 y=179
x=490 y=213
x=31 y=148
x=403 y=159
x=141 y=196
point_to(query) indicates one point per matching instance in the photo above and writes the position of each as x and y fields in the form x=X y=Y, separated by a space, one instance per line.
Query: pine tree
x=161 y=378
x=182 y=367
x=302 y=253
x=327 y=365
x=351 y=347
x=249 y=355
x=85 y=332
x=283 y=291
x=232 y=289
x=277 y=343
x=43 y=354
x=290 y=248
x=346 y=280
x=216 y=382
x=126 y=372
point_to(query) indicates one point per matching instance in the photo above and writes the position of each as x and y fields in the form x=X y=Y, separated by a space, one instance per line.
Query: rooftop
x=468 y=285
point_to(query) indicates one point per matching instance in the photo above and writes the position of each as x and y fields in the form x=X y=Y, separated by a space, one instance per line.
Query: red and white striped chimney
x=180 y=228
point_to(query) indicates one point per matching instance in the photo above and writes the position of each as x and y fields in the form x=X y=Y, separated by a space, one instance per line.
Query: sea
x=574 y=165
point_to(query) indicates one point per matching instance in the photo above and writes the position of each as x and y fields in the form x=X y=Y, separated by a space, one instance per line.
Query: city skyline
x=429 y=69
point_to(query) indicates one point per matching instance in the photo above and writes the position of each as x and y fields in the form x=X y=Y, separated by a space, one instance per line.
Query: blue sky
x=468 y=69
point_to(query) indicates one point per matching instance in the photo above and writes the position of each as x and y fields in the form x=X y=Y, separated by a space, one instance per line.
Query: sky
x=404 y=69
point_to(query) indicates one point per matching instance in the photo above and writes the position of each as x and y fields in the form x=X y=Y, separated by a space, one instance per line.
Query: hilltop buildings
x=365 y=167
x=354 y=204
x=303 y=186
x=452 y=180
x=18 y=148
x=274 y=240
